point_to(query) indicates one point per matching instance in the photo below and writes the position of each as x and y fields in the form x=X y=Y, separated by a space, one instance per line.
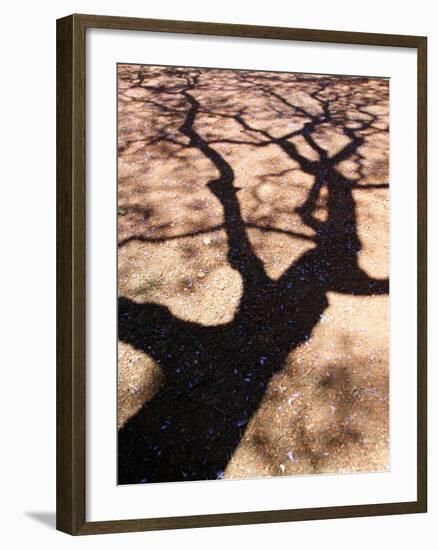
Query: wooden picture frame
x=71 y=273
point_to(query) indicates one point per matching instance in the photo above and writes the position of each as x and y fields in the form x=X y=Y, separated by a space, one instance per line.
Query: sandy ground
x=244 y=257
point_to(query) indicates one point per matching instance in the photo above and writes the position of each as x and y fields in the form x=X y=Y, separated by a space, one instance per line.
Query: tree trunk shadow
x=215 y=377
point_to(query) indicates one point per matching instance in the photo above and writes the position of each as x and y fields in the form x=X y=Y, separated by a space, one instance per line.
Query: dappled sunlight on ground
x=253 y=265
x=328 y=410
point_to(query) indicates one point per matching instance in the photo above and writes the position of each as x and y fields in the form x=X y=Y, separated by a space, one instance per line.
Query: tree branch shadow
x=216 y=376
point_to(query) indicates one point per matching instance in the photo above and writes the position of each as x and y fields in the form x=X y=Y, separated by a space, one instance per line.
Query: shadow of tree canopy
x=215 y=376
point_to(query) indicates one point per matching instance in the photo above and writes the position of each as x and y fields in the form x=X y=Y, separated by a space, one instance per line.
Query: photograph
x=253 y=237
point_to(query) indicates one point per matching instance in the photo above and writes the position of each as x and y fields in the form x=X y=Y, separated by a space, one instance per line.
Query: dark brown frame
x=71 y=231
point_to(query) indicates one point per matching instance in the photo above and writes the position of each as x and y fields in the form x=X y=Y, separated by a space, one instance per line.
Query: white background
x=28 y=261
x=106 y=500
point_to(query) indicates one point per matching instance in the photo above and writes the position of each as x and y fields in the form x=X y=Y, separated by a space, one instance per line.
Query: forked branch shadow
x=216 y=376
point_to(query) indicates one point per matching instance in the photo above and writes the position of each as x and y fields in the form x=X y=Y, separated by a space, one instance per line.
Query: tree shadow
x=216 y=376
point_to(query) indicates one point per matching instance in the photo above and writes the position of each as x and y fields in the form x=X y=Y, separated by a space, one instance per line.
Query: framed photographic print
x=241 y=278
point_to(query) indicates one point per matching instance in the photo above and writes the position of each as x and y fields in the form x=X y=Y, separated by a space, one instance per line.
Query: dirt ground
x=253 y=262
